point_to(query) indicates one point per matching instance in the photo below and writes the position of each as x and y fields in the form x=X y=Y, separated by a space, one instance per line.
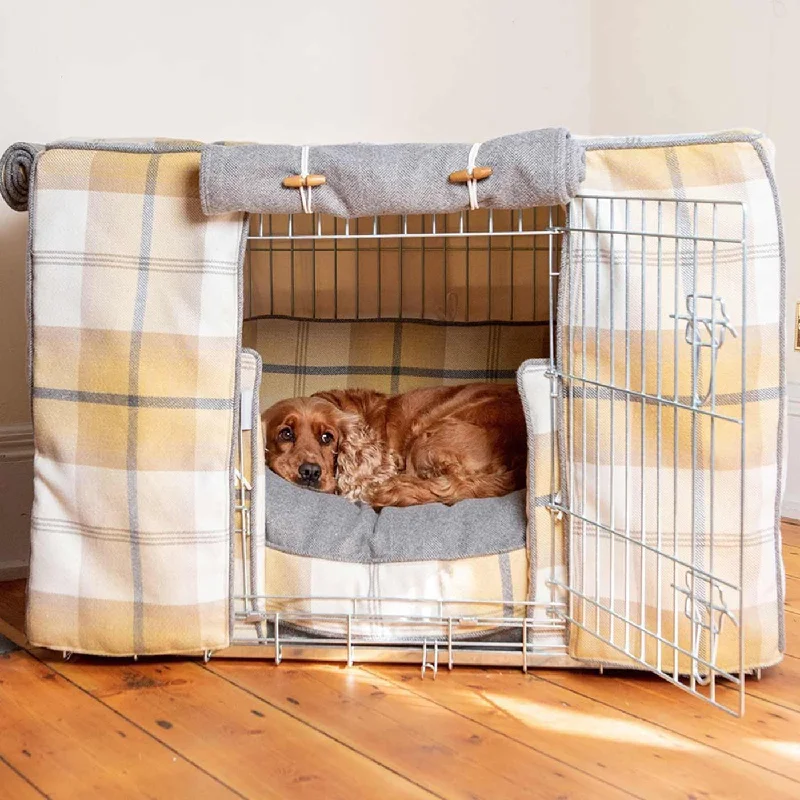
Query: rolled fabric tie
x=16 y=166
x=523 y=170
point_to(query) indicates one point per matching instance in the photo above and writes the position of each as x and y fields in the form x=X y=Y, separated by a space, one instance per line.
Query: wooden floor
x=178 y=728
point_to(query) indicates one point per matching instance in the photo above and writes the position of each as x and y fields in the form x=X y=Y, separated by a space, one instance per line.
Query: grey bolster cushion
x=535 y=168
x=16 y=165
x=326 y=526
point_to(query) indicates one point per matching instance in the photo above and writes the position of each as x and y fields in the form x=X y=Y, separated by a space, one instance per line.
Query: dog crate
x=632 y=288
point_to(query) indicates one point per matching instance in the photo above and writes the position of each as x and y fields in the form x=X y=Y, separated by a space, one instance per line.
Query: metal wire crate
x=633 y=264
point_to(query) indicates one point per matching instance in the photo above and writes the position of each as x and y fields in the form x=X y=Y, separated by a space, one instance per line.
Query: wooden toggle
x=298 y=181
x=464 y=175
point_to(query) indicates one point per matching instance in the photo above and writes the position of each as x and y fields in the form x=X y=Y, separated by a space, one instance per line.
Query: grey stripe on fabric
x=688 y=272
x=416 y=372
x=507 y=584
x=345 y=320
x=678 y=140
x=397 y=356
x=580 y=392
x=137 y=327
x=127 y=147
x=134 y=401
x=120 y=260
x=779 y=582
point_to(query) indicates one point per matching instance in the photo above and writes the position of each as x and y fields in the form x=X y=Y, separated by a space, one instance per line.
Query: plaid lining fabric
x=495 y=581
x=249 y=517
x=135 y=330
x=302 y=357
x=545 y=538
x=665 y=498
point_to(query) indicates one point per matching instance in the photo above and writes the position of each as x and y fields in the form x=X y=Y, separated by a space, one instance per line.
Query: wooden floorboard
x=15 y=786
x=440 y=749
x=250 y=745
x=611 y=743
x=70 y=745
x=175 y=728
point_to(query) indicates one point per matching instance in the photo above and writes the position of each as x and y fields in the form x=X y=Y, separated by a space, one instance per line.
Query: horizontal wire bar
x=715 y=669
x=675 y=200
x=454 y=235
x=681 y=237
x=654 y=398
x=640 y=543
x=463 y=645
x=419 y=600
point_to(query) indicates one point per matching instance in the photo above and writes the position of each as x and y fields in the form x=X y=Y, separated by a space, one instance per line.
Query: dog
x=433 y=445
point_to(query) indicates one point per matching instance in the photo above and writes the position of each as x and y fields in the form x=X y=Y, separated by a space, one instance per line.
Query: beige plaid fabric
x=303 y=357
x=249 y=510
x=656 y=473
x=135 y=316
x=545 y=536
x=491 y=584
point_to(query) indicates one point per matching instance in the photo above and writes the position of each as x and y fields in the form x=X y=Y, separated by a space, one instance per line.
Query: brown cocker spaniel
x=437 y=445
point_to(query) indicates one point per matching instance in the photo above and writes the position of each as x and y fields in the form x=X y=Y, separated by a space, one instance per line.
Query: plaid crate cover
x=661 y=507
x=135 y=329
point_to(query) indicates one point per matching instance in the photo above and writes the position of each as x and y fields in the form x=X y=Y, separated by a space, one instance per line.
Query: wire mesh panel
x=650 y=380
x=471 y=267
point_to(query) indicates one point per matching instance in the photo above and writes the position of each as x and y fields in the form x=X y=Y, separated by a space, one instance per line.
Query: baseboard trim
x=16 y=442
x=791 y=510
x=13 y=570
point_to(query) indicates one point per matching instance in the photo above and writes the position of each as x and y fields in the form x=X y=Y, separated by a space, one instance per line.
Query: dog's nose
x=310 y=473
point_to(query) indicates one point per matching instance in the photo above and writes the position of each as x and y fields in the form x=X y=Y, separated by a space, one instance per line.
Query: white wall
x=310 y=71
x=692 y=65
x=318 y=70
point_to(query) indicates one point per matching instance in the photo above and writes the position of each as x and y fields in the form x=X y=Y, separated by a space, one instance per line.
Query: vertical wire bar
x=271 y=270
x=643 y=444
x=556 y=388
x=675 y=421
x=743 y=471
x=514 y=256
x=400 y=274
x=489 y=257
x=314 y=271
x=423 y=241
x=336 y=270
x=584 y=402
x=380 y=267
x=659 y=359
x=245 y=549
x=696 y=635
x=291 y=263
x=597 y=419
x=444 y=269
x=358 y=272
x=627 y=553
x=712 y=456
x=260 y=226
x=612 y=329
x=469 y=262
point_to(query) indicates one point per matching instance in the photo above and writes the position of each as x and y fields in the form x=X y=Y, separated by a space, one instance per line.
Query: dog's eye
x=286 y=435
x=326 y=437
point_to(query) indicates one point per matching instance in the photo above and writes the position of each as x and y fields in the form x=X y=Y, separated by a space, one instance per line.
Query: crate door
x=651 y=379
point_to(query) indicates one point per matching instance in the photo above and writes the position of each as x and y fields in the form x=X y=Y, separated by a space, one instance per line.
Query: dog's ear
x=335 y=397
x=361 y=458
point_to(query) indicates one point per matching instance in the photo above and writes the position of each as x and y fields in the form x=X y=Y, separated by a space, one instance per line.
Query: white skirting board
x=16 y=495
x=791 y=495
